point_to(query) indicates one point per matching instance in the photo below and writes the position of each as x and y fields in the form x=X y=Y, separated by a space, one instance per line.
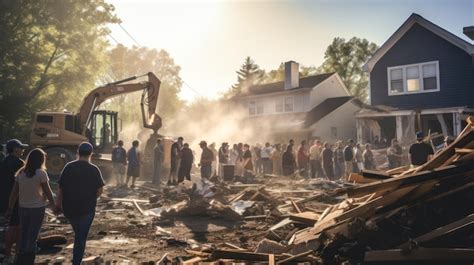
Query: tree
x=249 y=74
x=127 y=62
x=347 y=58
x=51 y=53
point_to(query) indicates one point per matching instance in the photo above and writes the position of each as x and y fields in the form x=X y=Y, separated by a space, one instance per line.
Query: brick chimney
x=292 y=75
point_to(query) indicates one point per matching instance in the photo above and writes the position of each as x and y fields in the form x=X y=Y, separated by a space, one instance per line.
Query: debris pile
x=401 y=216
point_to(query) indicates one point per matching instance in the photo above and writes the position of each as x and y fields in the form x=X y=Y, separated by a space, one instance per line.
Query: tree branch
x=42 y=84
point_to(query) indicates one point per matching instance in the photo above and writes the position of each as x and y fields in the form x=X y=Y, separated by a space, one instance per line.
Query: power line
x=130 y=35
x=110 y=35
x=194 y=90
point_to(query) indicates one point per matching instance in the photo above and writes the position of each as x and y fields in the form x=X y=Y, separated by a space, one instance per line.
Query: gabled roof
x=305 y=82
x=415 y=18
x=323 y=109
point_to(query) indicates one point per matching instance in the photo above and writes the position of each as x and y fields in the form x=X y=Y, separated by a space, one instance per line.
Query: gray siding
x=456 y=69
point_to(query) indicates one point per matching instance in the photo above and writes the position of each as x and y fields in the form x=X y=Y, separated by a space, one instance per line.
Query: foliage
x=347 y=58
x=126 y=62
x=249 y=74
x=51 y=53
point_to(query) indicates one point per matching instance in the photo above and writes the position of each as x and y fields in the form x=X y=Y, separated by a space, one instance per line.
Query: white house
x=318 y=106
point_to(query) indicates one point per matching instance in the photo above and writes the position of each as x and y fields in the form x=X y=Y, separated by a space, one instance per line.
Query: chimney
x=469 y=31
x=292 y=75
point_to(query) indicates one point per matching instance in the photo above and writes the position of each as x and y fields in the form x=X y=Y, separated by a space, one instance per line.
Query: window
x=396 y=80
x=69 y=123
x=414 y=78
x=288 y=104
x=44 y=119
x=279 y=105
x=252 y=110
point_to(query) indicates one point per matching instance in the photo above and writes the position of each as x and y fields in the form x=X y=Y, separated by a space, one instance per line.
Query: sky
x=209 y=39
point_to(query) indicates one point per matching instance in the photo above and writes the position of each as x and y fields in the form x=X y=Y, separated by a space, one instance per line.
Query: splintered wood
x=405 y=214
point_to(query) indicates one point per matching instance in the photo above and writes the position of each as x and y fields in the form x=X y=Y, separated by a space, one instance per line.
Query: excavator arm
x=149 y=100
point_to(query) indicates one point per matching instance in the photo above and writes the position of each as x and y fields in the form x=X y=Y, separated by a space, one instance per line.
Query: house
x=421 y=79
x=318 y=106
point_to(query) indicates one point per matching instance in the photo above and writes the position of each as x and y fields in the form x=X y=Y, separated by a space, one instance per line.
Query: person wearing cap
x=80 y=184
x=420 y=152
x=207 y=157
x=8 y=170
x=119 y=161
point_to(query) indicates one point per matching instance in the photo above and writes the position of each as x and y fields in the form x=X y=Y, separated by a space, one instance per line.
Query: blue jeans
x=206 y=171
x=31 y=220
x=80 y=225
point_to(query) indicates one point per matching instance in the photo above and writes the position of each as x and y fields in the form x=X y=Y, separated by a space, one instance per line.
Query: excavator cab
x=103 y=130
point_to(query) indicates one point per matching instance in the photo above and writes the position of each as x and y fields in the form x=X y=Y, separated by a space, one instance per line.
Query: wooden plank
x=434 y=255
x=463 y=150
x=298 y=210
x=295 y=257
x=308 y=218
x=195 y=260
x=410 y=180
x=369 y=208
x=442 y=231
x=123 y=200
x=251 y=256
x=271 y=259
x=138 y=208
x=375 y=174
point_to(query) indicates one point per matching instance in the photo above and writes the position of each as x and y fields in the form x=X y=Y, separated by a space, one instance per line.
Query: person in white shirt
x=266 y=154
x=31 y=188
x=315 y=159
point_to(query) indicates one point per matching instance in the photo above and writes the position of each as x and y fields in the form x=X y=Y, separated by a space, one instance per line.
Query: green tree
x=51 y=53
x=249 y=74
x=347 y=58
x=126 y=62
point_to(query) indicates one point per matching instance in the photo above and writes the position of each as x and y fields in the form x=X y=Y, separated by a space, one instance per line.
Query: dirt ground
x=121 y=233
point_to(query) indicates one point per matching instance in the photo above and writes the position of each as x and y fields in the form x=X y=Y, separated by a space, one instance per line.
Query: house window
x=252 y=109
x=414 y=78
x=255 y=108
x=279 y=105
x=259 y=107
x=288 y=104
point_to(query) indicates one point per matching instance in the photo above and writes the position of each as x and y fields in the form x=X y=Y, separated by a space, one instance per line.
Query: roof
x=323 y=109
x=305 y=82
x=415 y=18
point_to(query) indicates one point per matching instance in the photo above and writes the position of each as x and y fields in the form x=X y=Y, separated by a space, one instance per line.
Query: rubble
x=400 y=216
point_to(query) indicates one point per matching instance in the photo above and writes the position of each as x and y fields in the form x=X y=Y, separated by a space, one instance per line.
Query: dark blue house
x=421 y=78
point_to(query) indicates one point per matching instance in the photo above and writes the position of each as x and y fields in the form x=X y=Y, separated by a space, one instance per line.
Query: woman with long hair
x=31 y=188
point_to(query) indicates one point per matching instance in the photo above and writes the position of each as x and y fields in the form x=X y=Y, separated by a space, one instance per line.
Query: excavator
x=59 y=133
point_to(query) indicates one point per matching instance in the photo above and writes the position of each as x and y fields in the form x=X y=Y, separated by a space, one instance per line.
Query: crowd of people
x=25 y=190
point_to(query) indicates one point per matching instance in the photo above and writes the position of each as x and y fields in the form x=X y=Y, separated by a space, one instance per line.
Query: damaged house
x=318 y=106
x=421 y=79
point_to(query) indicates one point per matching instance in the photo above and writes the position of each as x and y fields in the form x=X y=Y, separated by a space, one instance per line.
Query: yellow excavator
x=59 y=133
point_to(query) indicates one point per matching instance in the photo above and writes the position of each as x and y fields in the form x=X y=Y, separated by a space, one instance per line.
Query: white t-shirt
x=31 y=193
x=266 y=152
